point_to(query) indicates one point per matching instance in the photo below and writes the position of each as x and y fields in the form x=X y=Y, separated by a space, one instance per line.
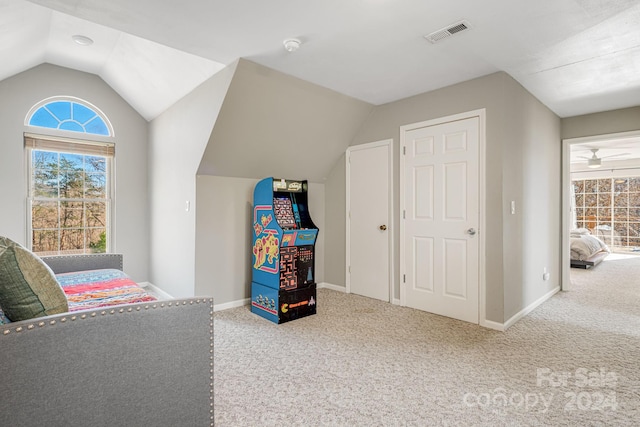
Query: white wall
x=178 y=139
x=17 y=95
x=224 y=238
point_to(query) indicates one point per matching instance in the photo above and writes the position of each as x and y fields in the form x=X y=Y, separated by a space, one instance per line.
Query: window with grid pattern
x=69 y=195
x=610 y=209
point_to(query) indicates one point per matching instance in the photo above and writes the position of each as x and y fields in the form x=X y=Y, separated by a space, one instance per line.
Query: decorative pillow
x=3 y=319
x=28 y=287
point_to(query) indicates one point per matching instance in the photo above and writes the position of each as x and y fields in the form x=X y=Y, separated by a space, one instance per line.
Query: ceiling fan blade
x=615 y=155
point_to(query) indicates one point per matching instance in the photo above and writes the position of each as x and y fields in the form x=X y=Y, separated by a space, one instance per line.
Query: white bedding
x=584 y=246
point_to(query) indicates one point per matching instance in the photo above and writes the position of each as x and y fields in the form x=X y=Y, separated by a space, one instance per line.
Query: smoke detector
x=448 y=31
x=291 y=45
x=82 y=40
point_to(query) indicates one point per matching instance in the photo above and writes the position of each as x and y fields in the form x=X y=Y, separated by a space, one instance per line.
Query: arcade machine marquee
x=283 y=286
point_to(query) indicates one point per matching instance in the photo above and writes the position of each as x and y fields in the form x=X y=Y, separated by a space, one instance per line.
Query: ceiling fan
x=595 y=162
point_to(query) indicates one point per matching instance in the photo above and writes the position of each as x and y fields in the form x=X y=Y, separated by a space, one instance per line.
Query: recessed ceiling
x=576 y=56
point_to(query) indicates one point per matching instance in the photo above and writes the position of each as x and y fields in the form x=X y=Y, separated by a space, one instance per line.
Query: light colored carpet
x=574 y=361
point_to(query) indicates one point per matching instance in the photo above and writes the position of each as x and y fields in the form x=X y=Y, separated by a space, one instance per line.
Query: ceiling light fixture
x=82 y=40
x=291 y=45
x=594 y=163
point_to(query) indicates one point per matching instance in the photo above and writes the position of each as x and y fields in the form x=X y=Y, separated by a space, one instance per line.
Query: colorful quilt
x=100 y=288
x=97 y=288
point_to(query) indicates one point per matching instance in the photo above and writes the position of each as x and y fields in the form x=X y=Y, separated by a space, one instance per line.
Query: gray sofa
x=147 y=364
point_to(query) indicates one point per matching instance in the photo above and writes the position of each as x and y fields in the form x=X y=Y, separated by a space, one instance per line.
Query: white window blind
x=69 y=145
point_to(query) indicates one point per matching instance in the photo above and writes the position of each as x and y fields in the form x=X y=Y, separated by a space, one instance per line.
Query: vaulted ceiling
x=576 y=56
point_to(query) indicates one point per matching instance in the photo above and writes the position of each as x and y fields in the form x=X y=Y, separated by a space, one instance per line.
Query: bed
x=100 y=287
x=137 y=363
x=586 y=250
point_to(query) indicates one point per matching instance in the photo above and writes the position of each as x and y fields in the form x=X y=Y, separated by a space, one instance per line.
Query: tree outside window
x=69 y=203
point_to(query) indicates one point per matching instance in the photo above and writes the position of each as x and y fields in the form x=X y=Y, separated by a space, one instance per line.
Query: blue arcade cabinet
x=283 y=286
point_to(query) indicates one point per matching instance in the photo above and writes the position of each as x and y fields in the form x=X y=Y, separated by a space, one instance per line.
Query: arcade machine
x=283 y=286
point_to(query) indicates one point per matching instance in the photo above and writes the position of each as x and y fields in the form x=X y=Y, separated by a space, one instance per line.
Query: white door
x=439 y=241
x=369 y=236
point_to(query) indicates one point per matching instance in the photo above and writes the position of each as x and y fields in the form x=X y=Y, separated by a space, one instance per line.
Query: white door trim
x=481 y=114
x=384 y=143
x=566 y=195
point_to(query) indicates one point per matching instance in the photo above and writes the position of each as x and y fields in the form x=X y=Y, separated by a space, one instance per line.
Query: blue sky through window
x=69 y=116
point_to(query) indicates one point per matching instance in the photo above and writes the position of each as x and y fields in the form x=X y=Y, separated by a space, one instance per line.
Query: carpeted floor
x=574 y=361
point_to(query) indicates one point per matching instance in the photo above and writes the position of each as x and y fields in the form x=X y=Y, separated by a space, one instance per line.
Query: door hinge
x=404 y=278
x=404 y=150
x=349 y=269
x=404 y=214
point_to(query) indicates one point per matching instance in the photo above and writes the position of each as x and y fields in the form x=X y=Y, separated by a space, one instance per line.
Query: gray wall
x=224 y=238
x=532 y=171
x=623 y=120
x=516 y=123
x=17 y=95
x=178 y=139
x=299 y=131
x=272 y=124
x=335 y=229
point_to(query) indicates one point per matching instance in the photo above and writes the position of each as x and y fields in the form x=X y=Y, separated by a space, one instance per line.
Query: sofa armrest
x=68 y=263
x=140 y=364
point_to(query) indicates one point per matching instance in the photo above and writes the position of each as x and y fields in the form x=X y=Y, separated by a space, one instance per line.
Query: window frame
x=612 y=193
x=73 y=100
x=74 y=146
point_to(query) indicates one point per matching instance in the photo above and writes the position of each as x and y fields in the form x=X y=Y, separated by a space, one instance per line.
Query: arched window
x=69 y=114
x=70 y=189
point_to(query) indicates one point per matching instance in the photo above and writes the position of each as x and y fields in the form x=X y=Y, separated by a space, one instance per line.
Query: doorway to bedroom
x=601 y=201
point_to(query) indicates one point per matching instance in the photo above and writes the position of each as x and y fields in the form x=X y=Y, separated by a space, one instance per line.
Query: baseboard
x=333 y=287
x=155 y=290
x=492 y=325
x=530 y=308
x=232 y=304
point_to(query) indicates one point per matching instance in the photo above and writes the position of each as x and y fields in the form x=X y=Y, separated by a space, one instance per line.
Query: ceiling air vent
x=448 y=31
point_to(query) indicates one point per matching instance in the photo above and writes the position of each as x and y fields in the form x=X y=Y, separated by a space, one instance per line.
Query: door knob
x=471 y=232
x=383 y=227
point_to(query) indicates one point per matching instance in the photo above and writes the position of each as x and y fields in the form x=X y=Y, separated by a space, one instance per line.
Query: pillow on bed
x=3 y=319
x=28 y=287
x=577 y=232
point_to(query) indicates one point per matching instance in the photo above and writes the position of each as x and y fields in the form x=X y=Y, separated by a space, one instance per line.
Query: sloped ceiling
x=576 y=56
x=272 y=124
x=149 y=76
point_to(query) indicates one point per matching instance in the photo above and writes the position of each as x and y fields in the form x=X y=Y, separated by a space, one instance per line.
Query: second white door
x=439 y=241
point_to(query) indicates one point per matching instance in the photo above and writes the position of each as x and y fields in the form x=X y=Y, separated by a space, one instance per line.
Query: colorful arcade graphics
x=283 y=286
